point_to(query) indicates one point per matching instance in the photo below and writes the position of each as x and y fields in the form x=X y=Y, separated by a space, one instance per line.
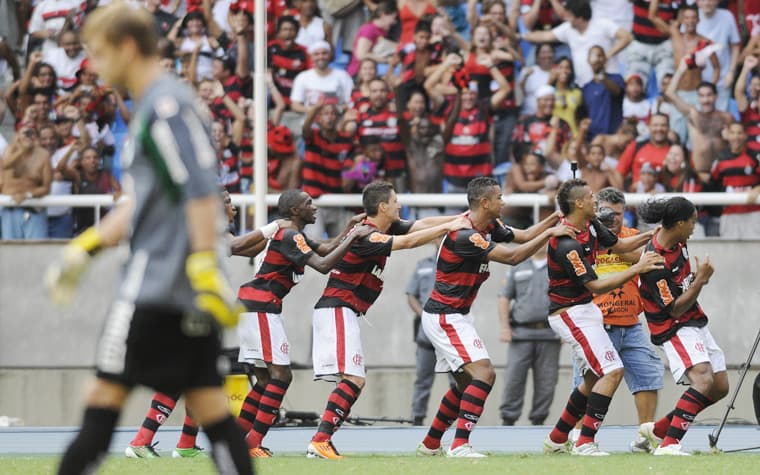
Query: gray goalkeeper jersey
x=168 y=160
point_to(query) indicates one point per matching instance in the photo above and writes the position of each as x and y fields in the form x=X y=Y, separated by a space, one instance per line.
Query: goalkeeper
x=163 y=330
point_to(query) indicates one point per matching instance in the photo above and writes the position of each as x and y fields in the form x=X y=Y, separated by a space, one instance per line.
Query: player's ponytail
x=668 y=211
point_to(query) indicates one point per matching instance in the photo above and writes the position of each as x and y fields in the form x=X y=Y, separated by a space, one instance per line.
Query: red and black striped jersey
x=486 y=83
x=384 y=124
x=286 y=64
x=533 y=132
x=323 y=162
x=644 y=30
x=462 y=267
x=229 y=168
x=282 y=268
x=547 y=17
x=571 y=264
x=736 y=173
x=751 y=121
x=408 y=56
x=357 y=279
x=468 y=154
x=660 y=288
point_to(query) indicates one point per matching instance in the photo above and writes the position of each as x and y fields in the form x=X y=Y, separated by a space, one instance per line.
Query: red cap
x=280 y=140
x=245 y=5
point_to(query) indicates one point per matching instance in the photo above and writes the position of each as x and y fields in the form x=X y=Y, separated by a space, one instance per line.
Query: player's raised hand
x=705 y=269
x=649 y=261
x=563 y=229
x=63 y=276
x=361 y=230
x=214 y=295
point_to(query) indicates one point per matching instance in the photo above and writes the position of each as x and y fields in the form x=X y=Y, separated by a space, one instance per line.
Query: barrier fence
x=415 y=200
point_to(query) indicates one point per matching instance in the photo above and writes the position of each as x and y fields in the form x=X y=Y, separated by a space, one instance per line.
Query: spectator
x=649 y=181
x=38 y=77
x=735 y=171
x=286 y=59
x=678 y=175
x=636 y=106
x=164 y=20
x=698 y=49
x=25 y=174
x=543 y=15
x=417 y=59
x=92 y=180
x=614 y=144
x=364 y=167
x=50 y=18
x=345 y=28
x=64 y=162
x=283 y=165
x=227 y=147
x=661 y=104
x=568 y=96
x=312 y=27
x=8 y=59
x=381 y=121
x=652 y=46
x=66 y=60
x=580 y=32
x=532 y=343
x=191 y=35
x=424 y=150
x=483 y=51
x=533 y=77
x=370 y=35
x=719 y=25
x=652 y=150
x=360 y=94
x=543 y=132
x=326 y=151
x=749 y=107
x=494 y=16
x=594 y=167
x=321 y=82
x=410 y=12
x=603 y=95
x=529 y=174
x=417 y=292
x=705 y=124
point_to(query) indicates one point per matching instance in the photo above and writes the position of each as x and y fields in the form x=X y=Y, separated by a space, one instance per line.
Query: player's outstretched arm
x=326 y=248
x=515 y=255
x=649 y=261
x=418 y=238
x=632 y=243
x=525 y=235
x=431 y=221
x=63 y=276
x=325 y=264
x=251 y=244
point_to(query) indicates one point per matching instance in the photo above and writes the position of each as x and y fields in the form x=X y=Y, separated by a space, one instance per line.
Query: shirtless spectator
x=26 y=174
x=424 y=151
x=705 y=124
x=749 y=107
x=652 y=150
x=687 y=43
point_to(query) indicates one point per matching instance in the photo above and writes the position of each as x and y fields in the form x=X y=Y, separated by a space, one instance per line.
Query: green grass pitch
x=406 y=464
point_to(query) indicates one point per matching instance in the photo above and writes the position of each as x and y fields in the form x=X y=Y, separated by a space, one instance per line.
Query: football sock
x=88 y=448
x=161 y=407
x=189 y=434
x=446 y=415
x=576 y=406
x=269 y=409
x=687 y=408
x=470 y=409
x=251 y=404
x=596 y=410
x=661 y=426
x=338 y=405
x=228 y=448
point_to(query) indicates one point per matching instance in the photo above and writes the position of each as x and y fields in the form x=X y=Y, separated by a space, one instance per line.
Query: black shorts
x=161 y=348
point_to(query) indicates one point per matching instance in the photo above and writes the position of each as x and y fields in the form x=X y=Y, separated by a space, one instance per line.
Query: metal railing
x=417 y=200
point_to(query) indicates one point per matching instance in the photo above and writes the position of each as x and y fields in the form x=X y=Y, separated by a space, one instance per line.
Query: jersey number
x=577 y=263
x=478 y=241
x=665 y=295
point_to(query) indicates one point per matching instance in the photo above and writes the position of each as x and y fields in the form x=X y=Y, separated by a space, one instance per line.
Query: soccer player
x=577 y=319
x=352 y=288
x=678 y=324
x=263 y=342
x=162 y=330
x=461 y=268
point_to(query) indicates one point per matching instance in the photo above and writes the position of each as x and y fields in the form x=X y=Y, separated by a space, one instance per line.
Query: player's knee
x=616 y=375
x=484 y=371
x=356 y=380
x=282 y=373
x=720 y=388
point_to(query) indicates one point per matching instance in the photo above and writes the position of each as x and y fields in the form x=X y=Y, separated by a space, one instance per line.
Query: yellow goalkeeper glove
x=62 y=278
x=214 y=295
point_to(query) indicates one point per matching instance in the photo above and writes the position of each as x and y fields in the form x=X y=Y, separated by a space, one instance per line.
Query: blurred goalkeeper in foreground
x=163 y=329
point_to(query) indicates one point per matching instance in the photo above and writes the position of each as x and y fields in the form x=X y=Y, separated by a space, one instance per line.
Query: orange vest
x=620 y=306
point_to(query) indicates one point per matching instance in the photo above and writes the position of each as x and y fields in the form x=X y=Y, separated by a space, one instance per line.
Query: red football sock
x=446 y=415
x=338 y=406
x=470 y=409
x=189 y=434
x=269 y=409
x=161 y=407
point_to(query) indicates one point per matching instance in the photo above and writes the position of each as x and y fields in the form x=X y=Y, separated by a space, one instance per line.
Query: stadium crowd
x=647 y=96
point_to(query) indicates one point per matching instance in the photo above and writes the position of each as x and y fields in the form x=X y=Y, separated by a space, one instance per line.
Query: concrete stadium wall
x=46 y=353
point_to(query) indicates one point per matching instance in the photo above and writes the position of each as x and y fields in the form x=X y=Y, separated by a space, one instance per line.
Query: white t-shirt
x=721 y=28
x=3 y=144
x=51 y=15
x=619 y=11
x=640 y=111
x=65 y=68
x=219 y=12
x=204 y=68
x=537 y=78
x=313 y=32
x=308 y=87
x=600 y=32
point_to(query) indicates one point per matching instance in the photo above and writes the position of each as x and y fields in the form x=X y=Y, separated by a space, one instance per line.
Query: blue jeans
x=642 y=367
x=61 y=227
x=24 y=223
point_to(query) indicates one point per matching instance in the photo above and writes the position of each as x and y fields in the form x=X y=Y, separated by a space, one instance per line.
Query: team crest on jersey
x=609 y=355
x=699 y=346
x=477 y=343
x=357 y=359
x=284 y=348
